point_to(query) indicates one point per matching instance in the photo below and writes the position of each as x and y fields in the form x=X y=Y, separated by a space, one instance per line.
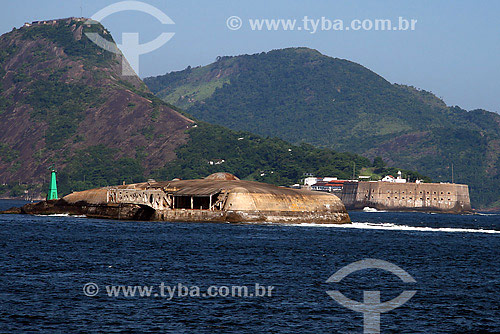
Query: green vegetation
x=256 y=158
x=98 y=166
x=378 y=173
x=186 y=93
x=84 y=48
x=155 y=114
x=8 y=154
x=4 y=103
x=183 y=87
x=140 y=90
x=302 y=96
x=20 y=77
x=246 y=155
x=14 y=189
x=148 y=132
x=379 y=169
x=61 y=105
x=5 y=53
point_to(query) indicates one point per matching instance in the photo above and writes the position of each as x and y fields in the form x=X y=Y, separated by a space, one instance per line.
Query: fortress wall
x=348 y=195
x=447 y=197
x=200 y=200
x=184 y=215
x=244 y=206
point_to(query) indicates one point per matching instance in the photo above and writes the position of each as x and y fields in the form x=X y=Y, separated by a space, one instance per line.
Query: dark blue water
x=45 y=262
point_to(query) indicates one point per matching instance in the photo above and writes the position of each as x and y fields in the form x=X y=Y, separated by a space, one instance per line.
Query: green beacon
x=53 y=186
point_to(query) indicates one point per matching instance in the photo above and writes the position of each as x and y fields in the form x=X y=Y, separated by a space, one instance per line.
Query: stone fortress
x=220 y=197
x=431 y=197
x=396 y=194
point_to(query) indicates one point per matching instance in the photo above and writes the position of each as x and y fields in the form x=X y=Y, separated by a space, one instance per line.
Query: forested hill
x=65 y=105
x=302 y=96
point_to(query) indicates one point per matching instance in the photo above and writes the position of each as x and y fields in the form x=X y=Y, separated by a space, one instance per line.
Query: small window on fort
x=449 y=199
x=402 y=197
x=449 y=193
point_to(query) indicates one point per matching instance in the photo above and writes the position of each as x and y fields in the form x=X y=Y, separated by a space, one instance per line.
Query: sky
x=454 y=50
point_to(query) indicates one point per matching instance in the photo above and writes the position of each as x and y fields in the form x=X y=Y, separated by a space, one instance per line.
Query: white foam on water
x=368 y=209
x=62 y=215
x=394 y=227
x=55 y=215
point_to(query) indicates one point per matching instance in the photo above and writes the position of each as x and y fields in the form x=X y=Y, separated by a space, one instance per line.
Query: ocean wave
x=62 y=215
x=368 y=209
x=394 y=227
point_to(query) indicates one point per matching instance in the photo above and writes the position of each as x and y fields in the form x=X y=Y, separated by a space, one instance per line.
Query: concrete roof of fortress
x=203 y=187
x=199 y=187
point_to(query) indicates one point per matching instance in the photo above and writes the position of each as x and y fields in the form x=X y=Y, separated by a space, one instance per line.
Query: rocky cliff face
x=61 y=96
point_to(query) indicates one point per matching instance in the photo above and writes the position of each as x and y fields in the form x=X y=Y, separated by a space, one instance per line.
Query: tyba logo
x=371 y=307
x=130 y=41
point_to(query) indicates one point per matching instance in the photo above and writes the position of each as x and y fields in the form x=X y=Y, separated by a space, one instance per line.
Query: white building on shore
x=392 y=179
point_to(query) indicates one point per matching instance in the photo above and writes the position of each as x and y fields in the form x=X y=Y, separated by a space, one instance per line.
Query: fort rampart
x=433 y=197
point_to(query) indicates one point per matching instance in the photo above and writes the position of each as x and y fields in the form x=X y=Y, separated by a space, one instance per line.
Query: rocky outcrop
x=84 y=208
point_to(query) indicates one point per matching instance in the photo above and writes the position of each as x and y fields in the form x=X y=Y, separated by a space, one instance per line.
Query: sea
x=67 y=274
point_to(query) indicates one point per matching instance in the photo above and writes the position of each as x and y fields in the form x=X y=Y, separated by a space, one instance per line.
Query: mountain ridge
x=55 y=78
x=302 y=96
x=64 y=104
